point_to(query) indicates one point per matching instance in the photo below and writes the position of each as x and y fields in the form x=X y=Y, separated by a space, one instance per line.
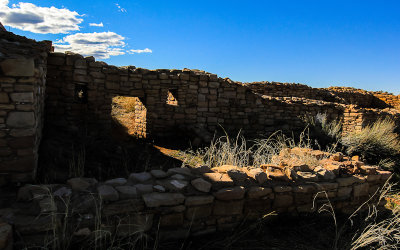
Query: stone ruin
x=66 y=92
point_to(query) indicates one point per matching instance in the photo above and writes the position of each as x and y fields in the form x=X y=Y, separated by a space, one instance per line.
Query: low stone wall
x=184 y=201
x=22 y=90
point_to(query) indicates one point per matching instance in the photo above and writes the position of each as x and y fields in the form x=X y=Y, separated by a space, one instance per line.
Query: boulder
x=201 y=185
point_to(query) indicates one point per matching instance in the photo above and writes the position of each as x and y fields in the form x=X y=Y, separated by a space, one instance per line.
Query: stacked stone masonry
x=78 y=93
x=22 y=93
x=193 y=201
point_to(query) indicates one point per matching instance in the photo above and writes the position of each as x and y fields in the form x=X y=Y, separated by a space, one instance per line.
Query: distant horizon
x=320 y=44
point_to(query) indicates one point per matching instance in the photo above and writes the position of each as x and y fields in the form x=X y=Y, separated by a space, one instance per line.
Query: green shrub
x=374 y=142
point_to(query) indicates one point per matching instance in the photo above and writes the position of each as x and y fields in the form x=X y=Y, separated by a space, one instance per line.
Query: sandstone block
x=163 y=199
x=81 y=184
x=259 y=175
x=218 y=180
x=258 y=192
x=199 y=200
x=18 y=67
x=361 y=190
x=282 y=200
x=4 y=97
x=348 y=181
x=144 y=188
x=231 y=193
x=201 y=185
x=127 y=192
x=140 y=177
x=199 y=212
x=21 y=119
x=116 y=182
x=107 y=193
x=224 y=208
x=158 y=174
x=344 y=192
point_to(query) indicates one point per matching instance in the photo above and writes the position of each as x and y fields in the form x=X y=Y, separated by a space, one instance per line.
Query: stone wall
x=184 y=201
x=190 y=100
x=22 y=90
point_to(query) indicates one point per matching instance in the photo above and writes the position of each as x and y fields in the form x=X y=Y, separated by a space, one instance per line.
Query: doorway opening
x=130 y=115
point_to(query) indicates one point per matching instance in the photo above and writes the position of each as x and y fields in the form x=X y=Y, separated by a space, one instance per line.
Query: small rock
x=201 y=169
x=116 y=182
x=178 y=177
x=179 y=184
x=159 y=188
x=307 y=176
x=107 y=193
x=47 y=205
x=201 y=185
x=63 y=192
x=140 y=177
x=159 y=174
x=219 y=180
x=258 y=192
x=183 y=171
x=127 y=192
x=324 y=173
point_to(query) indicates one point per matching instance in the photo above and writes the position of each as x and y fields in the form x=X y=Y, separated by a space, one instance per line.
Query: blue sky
x=318 y=43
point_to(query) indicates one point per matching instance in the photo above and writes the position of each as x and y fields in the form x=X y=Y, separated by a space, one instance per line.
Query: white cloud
x=44 y=20
x=139 y=51
x=100 y=45
x=96 y=24
x=120 y=9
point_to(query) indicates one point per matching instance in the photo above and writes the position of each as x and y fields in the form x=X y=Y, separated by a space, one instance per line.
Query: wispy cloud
x=120 y=9
x=100 y=45
x=139 y=51
x=96 y=24
x=44 y=20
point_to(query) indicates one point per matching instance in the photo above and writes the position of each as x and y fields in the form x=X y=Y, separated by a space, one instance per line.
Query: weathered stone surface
x=237 y=175
x=218 y=180
x=63 y=192
x=107 y=193
x=123 y=207
x=199 y=200
x=178 y=184
x=258 y=192
x=282 y=200
x=144 y=188
x=348 y=181
x=198 y=212
x=182 y=171
x=6 y=239
x=159 y=188
x=361 y=190
x=231 y=193
x=18 y=67
x=307 y=176
x=22 y=97
x=225 y=208
x=171 y=220
x=178 y=177
x=159 y=174
x=201 y=185
x=259 y=175
x=33 y=224
x=324 y=174
x=127 y=192
x=21 y=119
x=4 y=97
x=140 y=177
x=47 y=205
x=116 y=182
x=306 y=188
x=282 y=188
x=344 y=192
x=163 y=199
x=81 y=184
